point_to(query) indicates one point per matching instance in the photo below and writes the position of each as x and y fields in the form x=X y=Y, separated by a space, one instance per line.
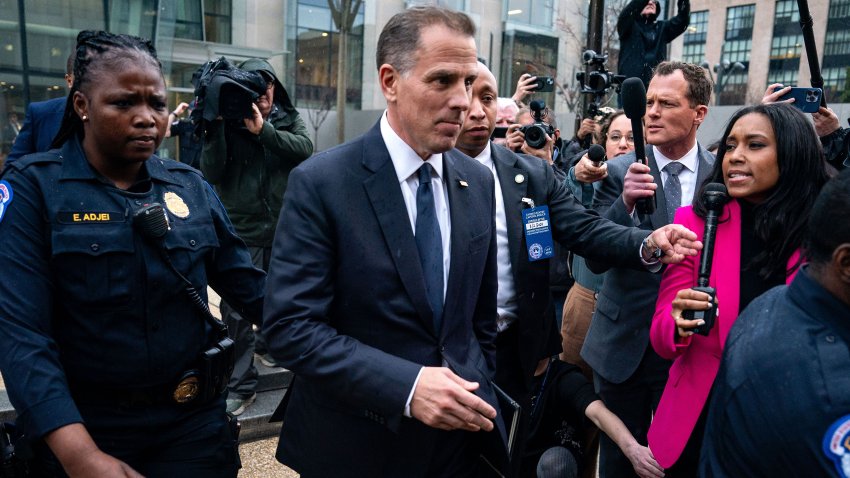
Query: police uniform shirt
x=86 y=301
x=781 y=402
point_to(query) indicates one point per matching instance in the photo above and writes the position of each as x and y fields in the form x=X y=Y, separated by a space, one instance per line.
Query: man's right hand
x=587 y=173
x=524 y=86
x=637 y=184
x=514 y=138
x=444 y=400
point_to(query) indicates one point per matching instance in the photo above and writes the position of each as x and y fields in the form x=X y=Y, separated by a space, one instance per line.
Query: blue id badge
x=538 y=233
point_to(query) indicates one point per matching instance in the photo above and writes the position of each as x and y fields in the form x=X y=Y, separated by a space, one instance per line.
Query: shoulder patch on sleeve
x=836 y=445
x=5 y=197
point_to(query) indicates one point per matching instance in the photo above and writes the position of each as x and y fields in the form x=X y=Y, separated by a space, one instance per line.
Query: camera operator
x=249 y=162
x=545 y=143
x=643 y=40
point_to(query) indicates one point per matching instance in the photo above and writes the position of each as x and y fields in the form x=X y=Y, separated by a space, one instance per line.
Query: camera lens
x=535 y=136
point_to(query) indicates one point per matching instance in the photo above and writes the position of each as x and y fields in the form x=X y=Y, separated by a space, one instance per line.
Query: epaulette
x=25 y=162
x=173 y=165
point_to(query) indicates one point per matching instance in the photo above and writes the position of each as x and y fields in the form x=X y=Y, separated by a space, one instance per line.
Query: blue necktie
x=430 y=244
x=673 y=189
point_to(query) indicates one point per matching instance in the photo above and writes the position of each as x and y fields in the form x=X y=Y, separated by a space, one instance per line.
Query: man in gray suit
x=628 y=374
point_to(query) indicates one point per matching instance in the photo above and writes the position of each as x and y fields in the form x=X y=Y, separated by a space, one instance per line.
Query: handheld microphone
x=634 y=105
x=715 y=197
x=596 y=155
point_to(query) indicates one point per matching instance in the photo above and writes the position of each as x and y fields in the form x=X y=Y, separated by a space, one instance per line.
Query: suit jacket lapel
x=703 y=169
x=659 y=217
x=512 y=194
x=384 y=193
x=461 y=235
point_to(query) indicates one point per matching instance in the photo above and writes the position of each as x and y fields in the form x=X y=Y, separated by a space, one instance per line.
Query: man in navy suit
x=382 y=283
x=42 y=121
x=527 y=331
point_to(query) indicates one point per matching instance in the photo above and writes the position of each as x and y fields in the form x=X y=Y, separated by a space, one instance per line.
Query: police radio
x=715 y=197
x=215 y=365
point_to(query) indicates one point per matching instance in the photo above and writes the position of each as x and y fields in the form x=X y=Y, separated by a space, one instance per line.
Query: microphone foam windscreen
x=715 y=196
x=596 y=153
x=634 y=98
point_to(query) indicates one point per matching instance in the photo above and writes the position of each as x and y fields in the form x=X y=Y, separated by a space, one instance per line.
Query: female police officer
x=106 y=348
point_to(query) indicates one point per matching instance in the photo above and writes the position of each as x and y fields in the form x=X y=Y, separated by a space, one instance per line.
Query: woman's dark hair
x=780 y=221
x=96 y=49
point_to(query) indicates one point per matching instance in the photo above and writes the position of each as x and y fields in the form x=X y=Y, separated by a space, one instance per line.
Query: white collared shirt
x=506 y=303
x=688 y=175
x=407 y=163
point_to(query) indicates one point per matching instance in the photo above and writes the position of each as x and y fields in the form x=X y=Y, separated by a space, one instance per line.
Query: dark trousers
x=634 y=401
x=158 y=440
x=510 y=379
x=243 y=382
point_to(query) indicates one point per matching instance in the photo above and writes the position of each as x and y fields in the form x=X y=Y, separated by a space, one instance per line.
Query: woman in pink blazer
x=771 y=162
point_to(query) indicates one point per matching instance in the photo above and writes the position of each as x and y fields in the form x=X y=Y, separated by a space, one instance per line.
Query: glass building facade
x=732 y=84
x=787 y=44
x=694 y=38
x=836 y=52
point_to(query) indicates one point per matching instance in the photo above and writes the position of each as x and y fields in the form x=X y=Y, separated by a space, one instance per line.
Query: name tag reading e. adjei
x=538 y=233
x=88 y=217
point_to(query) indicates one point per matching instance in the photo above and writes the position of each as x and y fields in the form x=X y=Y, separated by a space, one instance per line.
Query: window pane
x=217 y=20
x=836 y=54
x=184 y=17
x=317 y=52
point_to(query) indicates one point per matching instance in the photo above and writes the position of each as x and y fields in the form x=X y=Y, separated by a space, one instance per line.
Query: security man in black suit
x=527 y=331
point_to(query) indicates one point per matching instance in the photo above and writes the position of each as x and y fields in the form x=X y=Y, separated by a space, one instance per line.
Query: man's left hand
x=676 y=241
x=255 y=122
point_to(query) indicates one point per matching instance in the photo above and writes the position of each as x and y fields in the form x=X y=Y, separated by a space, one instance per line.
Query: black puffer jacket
x=643 y=41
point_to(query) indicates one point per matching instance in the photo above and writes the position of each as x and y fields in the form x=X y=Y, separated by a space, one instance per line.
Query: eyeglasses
x=616 y=137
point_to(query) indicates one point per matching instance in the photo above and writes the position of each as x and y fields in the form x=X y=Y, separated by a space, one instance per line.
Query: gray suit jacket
x=619 y=333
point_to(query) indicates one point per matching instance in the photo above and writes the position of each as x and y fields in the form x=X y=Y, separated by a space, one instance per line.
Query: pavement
x=258 y=460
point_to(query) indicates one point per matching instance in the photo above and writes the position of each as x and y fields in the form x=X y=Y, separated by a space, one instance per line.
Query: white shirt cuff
x=413 y=389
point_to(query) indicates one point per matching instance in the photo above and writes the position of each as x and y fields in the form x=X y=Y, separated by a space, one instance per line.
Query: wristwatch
x=649 y=251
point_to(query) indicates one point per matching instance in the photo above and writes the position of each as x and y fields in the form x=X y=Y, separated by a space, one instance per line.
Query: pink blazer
x=696 y=358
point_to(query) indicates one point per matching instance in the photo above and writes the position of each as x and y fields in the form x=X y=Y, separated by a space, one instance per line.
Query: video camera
x=535 y=133
x=223 y=90
x=597 y=81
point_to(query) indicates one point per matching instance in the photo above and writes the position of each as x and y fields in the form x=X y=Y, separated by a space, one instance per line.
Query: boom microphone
x=633 y=94
x=714 y=196
x=596 y=155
